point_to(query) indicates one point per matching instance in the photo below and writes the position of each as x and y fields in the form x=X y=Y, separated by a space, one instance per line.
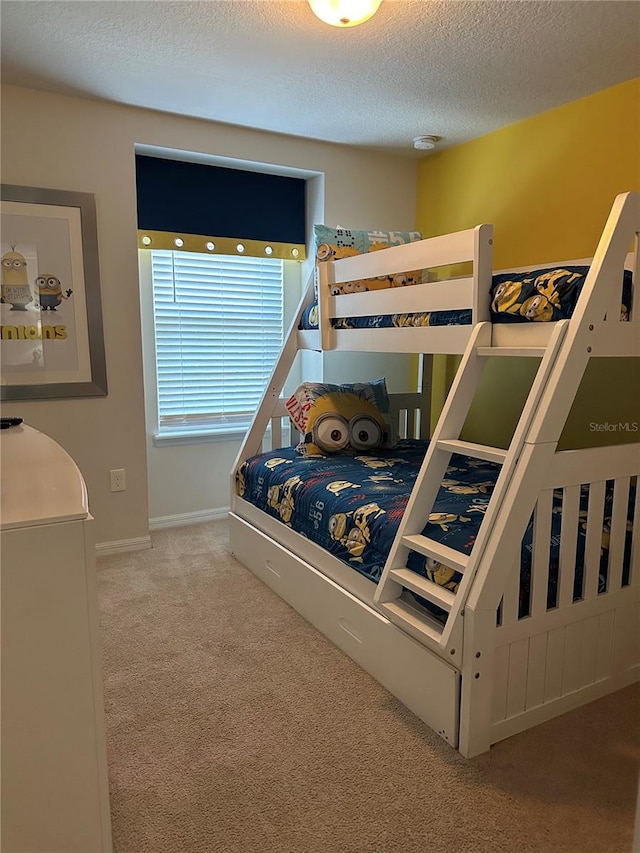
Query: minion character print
x=49 y=290
x=548 y=284
x=404 y=279
x=338 y=525
x=442 y=519
x=443 y=575
x=352 y=529
x=546 y=304
x=537 y=308
x=342 y=530
x=15 y=289
x=506 y=298
x=325 y=252
x=287 y=504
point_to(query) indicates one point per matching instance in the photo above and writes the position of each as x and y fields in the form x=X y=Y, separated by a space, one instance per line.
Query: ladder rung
x=528 y=352
x=433 y=592
x=477 y=451
x=437 y=551
x=404 y=614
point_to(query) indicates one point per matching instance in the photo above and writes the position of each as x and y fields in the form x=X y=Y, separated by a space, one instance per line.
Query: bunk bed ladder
x=445 y=634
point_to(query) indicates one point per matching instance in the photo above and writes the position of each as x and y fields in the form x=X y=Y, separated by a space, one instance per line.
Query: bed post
x=425 y=381
x=477 y=681
x=324 y=278
x=482 y=272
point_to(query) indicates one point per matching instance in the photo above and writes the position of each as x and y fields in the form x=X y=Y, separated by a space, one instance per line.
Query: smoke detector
x=425 y=143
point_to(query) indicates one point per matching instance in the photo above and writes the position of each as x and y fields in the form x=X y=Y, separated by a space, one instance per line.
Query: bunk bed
x=478 y=639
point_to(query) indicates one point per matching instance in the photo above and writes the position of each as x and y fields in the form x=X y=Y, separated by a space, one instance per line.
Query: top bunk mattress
x=309 y=319
x=539 y=295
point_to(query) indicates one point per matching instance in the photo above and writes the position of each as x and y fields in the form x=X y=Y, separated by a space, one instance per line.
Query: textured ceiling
x=454 y=68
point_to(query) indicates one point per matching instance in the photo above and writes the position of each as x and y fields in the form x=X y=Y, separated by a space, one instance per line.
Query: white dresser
x=55 y=796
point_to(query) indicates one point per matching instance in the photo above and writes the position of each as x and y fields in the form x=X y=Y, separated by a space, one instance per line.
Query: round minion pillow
x=340 y=421
x=350 y=418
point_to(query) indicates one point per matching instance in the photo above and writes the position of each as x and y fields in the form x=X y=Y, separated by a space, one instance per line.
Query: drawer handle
x=348 y=629
x=271 y=569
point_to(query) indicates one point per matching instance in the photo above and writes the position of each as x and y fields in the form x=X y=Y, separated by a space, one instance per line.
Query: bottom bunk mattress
x=351 y=505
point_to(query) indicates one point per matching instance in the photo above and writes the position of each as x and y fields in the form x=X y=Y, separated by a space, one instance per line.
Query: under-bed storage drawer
x=379 y=647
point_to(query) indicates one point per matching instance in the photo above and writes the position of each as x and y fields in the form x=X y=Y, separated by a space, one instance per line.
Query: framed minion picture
x=51 y=336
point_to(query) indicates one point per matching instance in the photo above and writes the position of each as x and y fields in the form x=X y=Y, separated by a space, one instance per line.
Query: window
x=218 y=332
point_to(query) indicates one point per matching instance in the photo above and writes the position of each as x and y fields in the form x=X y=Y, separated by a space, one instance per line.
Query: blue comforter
x=309 y=319
x=351 y=506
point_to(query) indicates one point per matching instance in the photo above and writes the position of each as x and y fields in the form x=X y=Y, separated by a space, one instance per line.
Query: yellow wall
x=547 y=184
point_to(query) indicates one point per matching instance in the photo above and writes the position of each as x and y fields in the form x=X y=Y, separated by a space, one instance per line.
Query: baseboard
x=143 y=542
x=185 y=518
x=121 y=546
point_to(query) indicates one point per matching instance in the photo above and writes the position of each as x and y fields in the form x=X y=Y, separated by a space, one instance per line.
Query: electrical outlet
x=118 y=480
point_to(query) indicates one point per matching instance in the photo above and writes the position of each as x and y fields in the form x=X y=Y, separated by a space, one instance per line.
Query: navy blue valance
x=195 y=198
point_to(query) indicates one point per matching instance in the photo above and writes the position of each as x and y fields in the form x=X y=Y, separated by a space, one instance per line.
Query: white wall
x=75 y=144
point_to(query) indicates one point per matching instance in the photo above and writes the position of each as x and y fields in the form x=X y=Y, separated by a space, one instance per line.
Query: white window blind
x=218 y=332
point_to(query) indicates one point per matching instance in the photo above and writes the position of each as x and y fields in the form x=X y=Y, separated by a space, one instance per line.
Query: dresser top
x=39 y=482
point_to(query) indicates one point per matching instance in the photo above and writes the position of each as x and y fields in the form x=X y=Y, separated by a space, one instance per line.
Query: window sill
x=168 y=439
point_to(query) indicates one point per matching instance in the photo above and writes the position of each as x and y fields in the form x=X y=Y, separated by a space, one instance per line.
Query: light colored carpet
x=234 y=727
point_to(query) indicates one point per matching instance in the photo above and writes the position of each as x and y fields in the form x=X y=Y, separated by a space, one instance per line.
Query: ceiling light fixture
x=344 y=13
x=425 y=143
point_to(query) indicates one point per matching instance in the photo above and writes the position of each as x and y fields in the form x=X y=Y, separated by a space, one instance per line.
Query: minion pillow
x=332 y=244
x=348 y=418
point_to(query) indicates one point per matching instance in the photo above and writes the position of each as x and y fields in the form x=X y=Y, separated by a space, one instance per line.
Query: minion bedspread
x=309 y=319
x=351 y=505
x=540 y=295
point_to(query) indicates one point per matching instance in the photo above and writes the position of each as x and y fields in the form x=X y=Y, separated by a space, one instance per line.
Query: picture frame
x=51 y=336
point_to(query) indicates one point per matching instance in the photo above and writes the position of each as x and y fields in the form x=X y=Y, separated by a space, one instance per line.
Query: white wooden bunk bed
x=484 y=670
